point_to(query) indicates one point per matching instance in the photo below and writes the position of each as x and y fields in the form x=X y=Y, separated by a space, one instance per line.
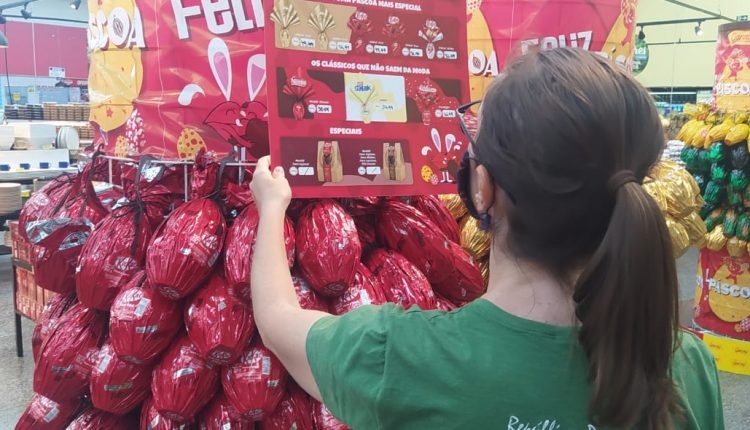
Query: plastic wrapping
x=680 y=237
x=240 y=246
x=328 y=247
x=365 y=290
x=256 y=383
x=736 y=247
x=436 y=211
x=45 y=414
x=185 y=249
x=656 y=191
x=113 y=253
x=715 y=240
x=47 y=321
x=361 y=206
x=64 y=366
x=152 y=420
x=218 y=323
x=474 y=240
x=221 y=415
x=183 y=382
x=307 y=297
x=94 y=419
x=118 y=386
x=403 y=283
x=142 y=323
x=444 y=304
x=368 y=235
x=43 y=203
x=454 y=205
x=57 y=246
x=293 y=412
x=465 y=282
x=324 y=419
x=409 y=232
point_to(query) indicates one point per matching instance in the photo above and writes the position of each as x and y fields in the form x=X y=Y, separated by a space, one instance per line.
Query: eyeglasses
x=468 y=122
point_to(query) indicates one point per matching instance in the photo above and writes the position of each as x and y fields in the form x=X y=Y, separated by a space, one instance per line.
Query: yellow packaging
x=695 y=228
x=474 y=240
x=737 y=134
x=454 y=204
x=680 y=238
x=736 y=247
x=715 y=239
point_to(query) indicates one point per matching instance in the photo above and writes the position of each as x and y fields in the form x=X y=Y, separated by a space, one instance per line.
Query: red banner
x=170 y=78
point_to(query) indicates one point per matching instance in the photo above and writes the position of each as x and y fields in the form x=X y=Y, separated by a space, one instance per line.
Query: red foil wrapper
x=438 y=214
x=142 y=323
x=184 y=250
x=94 y=419
x=465 y=282
x=361 y=206
x=328 y=248
x=293 y=412
x=411 y=233
x=218 y=323
x=308 y=299
x=47 y=321
x=324 y=419
x=152 y=420
x=117 y=386
x=403 y=283
x=113 y=253
x=296 y=207
x=183 y=383
x=220 y=415
x=45 y=414
x=64 y=366
x=444 y=304
x=299 y=88
x=42 y=203
x=367 y=232
x=57 y=246
x=256 y=383
x=394 y=30
x=240 y=246
x=365 y=290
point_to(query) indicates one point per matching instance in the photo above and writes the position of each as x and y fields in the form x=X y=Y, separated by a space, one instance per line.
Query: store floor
x=16 y=373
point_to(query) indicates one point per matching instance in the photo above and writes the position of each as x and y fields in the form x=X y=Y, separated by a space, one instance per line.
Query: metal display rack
x=19 y=263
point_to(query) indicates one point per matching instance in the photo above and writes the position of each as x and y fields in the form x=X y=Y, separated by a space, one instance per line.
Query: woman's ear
x=484 y=192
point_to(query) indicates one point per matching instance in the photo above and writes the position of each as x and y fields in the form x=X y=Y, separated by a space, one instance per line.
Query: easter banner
x=360 y=96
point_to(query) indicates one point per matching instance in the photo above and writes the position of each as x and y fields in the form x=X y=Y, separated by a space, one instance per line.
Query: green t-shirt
x=478 y=367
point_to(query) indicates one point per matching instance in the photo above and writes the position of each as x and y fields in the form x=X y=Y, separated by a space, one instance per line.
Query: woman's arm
x=282 y=323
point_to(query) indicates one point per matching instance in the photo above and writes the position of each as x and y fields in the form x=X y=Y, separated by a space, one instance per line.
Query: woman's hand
x=270 y=189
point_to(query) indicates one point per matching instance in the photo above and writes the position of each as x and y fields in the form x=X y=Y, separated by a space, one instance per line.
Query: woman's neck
x=527 y=291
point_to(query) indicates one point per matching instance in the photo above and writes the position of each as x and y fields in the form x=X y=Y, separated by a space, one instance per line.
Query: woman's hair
x=570 y=136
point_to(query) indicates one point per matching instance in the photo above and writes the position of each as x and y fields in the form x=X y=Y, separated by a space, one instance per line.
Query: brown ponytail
x=627 y=305
x=570 y=136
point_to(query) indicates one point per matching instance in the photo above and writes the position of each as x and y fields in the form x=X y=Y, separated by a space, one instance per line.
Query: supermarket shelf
x=28 y=175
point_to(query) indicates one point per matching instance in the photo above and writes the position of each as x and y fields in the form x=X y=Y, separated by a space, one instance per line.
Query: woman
x=578 y=328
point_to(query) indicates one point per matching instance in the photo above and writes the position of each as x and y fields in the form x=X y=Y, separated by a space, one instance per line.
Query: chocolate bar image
x=330 y=167
x=394 y=167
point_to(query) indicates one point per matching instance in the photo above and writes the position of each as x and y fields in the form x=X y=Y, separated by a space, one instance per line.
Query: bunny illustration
x=443 y=155
x=245 y=124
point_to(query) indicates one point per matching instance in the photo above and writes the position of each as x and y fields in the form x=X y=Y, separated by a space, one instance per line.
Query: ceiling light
x=698 y=29
x=3 y=40
x=641 y=35
x=75 y=4
x=26 y=14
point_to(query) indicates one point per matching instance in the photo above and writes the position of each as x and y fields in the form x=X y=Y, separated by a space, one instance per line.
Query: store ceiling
x=662 y=10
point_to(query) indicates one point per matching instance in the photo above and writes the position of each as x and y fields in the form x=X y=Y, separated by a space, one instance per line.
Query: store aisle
x=16 y=373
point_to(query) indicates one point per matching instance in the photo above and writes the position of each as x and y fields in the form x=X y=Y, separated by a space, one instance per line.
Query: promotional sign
x=364 y=97
x=501 y=29
x=723 y=294
x=171 y=78
x=732 y=78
